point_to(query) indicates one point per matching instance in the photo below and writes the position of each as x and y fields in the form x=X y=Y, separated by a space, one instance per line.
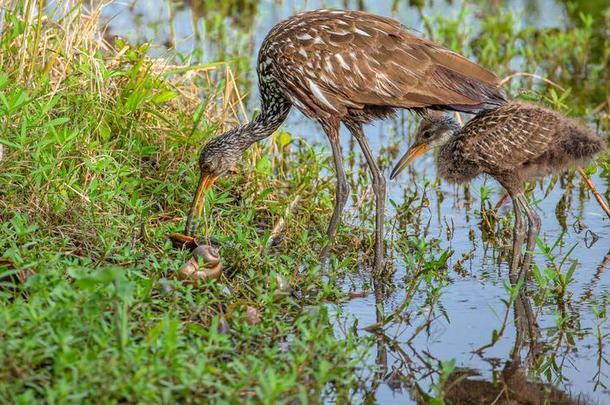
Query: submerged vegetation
x=99 y=148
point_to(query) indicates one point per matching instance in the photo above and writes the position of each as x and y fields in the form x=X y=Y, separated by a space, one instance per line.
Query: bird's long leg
x=518 y=238
x=520 y=327
x=342 y=190
x=379 y=188
x=532 y=231
x=525 y=324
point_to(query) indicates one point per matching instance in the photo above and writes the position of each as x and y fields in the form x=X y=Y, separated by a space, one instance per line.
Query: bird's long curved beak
x=413 y=153
x=194 y=216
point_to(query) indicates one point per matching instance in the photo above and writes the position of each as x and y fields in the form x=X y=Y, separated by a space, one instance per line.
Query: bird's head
x=434 y=130
x=217 y=157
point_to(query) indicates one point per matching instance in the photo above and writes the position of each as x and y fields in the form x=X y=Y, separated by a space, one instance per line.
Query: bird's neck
x=453 y=130
x=273 y=113
x=449 y=140
x=266 y=123
x=274 y=110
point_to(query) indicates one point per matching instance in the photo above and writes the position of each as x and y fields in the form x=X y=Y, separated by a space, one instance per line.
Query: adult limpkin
x=351 y=67
x=512 y=143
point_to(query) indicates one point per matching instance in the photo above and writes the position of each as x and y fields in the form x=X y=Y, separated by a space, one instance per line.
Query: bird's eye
x=426 y=134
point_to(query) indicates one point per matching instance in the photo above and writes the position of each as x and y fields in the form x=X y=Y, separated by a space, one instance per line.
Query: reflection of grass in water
x=575 y=67
x=98 y=167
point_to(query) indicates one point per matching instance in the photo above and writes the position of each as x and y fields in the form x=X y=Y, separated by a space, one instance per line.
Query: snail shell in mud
x=209 y=254
x=211 y=265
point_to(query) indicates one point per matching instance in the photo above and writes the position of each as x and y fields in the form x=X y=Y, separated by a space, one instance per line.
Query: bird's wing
x=509 y=137
x=357 y=59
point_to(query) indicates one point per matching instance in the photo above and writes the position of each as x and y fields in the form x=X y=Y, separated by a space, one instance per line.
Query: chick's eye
x=426 y=134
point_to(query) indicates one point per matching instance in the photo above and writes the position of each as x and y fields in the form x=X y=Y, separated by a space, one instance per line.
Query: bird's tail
x=487 y=92
x=466 y=86
x=582 y=144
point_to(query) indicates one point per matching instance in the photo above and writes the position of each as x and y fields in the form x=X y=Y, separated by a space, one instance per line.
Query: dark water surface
x=573 y=358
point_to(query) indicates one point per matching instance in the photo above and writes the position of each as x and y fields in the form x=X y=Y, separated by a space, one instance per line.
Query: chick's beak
x=413 y=153
x=194 y=216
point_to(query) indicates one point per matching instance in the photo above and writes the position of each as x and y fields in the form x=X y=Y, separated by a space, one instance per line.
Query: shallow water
x=473 y=297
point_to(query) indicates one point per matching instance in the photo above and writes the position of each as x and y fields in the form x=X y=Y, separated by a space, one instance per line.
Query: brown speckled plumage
x=352 y=67
x=334 y=64
x=512 y=143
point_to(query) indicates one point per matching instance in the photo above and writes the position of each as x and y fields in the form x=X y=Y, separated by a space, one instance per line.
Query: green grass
x=99 y=167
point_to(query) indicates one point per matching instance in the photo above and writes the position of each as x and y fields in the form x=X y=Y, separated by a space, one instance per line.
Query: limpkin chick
x=512 y=144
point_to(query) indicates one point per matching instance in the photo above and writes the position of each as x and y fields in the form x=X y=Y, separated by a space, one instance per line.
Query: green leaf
x=263 y=166
x=283 y=139
x=155 y=332
x=10 y=144
x=448 y=366
x=164 y=97
x=3 y=80
x=570 y=273
x=57 y=121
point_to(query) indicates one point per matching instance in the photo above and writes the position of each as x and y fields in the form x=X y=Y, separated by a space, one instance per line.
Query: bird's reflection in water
x=381 y=359
x=465 y=386
x=513 y=385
